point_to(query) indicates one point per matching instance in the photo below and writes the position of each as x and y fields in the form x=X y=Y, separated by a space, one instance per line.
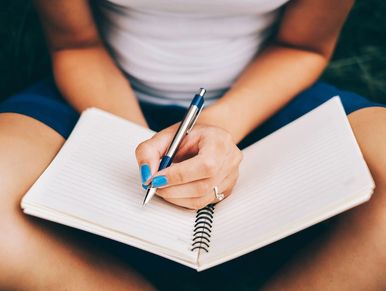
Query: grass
x=359 y=63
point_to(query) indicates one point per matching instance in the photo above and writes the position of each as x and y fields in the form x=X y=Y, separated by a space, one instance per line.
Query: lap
x=369 y=127
x=305 y=102
x=43 y=102
x=26 y=148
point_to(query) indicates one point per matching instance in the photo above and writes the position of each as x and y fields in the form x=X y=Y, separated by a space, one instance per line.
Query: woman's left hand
x=206 y=158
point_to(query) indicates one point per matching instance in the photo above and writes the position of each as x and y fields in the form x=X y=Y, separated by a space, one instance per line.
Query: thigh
x=36 y=254
x=33 y=127
x=26 y=148
x=369 y=127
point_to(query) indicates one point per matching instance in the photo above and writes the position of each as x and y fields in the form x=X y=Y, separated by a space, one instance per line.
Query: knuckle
x=210 y=166
x=238 y=156
x=241 y=155
x=138 y=150
x=233 y=179
x=142 y=148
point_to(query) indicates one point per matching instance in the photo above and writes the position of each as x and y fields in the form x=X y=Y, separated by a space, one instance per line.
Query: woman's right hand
x=207 y=158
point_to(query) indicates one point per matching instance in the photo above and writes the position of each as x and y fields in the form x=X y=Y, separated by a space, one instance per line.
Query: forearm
x=88 y=77
x=273 y=79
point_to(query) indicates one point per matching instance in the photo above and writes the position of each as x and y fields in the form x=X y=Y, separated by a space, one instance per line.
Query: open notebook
x=304 y=173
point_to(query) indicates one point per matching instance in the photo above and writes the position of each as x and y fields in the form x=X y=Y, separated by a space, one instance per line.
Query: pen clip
x=194 y=120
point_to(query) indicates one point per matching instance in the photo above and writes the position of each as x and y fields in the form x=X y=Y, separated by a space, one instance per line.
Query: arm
x=294 y=61
x=208 y=156
x=84 y=72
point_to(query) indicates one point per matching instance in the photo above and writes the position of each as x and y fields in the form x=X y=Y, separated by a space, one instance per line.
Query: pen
x=185 y=127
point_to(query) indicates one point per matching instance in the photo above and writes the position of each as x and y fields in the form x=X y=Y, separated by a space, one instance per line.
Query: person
x=260 y=62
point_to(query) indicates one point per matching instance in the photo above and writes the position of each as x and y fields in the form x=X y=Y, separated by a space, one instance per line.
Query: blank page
x=94 y=184
x=307 y=171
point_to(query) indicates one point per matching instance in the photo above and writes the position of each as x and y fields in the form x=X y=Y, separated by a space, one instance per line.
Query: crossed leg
x=353 y=255
x=34 y=254
x=37 y=255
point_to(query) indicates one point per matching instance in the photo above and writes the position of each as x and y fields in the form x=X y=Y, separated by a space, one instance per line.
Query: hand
x=207 y=157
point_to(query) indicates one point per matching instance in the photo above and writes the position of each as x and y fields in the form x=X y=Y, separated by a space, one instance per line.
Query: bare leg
x=35 y=255
x=353 y=255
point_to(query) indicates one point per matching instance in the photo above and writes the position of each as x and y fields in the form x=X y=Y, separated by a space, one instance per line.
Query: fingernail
x=145 y=173
x=159 y=181
x=145 y=186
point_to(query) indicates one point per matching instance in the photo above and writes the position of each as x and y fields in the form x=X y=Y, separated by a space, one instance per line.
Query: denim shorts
x=44 y=103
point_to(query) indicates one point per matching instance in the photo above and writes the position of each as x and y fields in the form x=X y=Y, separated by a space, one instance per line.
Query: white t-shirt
x=171 y=48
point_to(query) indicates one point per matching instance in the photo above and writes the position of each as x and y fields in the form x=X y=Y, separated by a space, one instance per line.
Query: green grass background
x=359 y=63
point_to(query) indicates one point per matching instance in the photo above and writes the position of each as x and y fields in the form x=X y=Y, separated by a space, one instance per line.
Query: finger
x=149 y=153
x=192 y=203
x=230 y=182
x=194 y=189
x=208 y=198
x=204 y=165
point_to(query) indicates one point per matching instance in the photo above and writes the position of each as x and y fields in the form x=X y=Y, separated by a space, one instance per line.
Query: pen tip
x=146 y=200
x=149 y=194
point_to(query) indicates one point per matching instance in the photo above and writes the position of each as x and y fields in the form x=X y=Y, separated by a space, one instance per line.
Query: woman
x=143 y=60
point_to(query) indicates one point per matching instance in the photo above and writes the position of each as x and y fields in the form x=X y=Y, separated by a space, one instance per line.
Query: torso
x=170 y=48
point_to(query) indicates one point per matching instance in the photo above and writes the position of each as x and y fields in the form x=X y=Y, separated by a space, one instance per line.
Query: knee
x=369 y=127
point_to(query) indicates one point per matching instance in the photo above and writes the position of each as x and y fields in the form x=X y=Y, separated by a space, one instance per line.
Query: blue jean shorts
x=43 y=102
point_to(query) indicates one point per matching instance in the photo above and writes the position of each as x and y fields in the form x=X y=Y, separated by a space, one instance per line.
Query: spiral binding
x=203 y=228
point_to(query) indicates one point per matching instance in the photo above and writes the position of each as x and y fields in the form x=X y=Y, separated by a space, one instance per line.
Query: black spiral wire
x=203 y=228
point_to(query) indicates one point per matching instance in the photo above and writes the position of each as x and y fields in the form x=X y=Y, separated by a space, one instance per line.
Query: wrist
x=219 y=115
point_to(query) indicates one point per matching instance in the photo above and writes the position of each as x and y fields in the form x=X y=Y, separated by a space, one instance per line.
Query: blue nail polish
x=145 y=172
x=145 y=186
x=159 y=181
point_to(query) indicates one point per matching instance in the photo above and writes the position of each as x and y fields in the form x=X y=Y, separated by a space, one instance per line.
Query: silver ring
x=219 y=196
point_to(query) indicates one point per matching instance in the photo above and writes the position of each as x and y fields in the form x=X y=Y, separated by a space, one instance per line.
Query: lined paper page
x=305 y=172
x=95 y=180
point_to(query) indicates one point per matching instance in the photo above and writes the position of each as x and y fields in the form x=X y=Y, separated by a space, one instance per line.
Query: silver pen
x=185 y=127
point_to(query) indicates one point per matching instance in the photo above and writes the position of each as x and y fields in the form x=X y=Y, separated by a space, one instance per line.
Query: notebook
x=306 y=172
